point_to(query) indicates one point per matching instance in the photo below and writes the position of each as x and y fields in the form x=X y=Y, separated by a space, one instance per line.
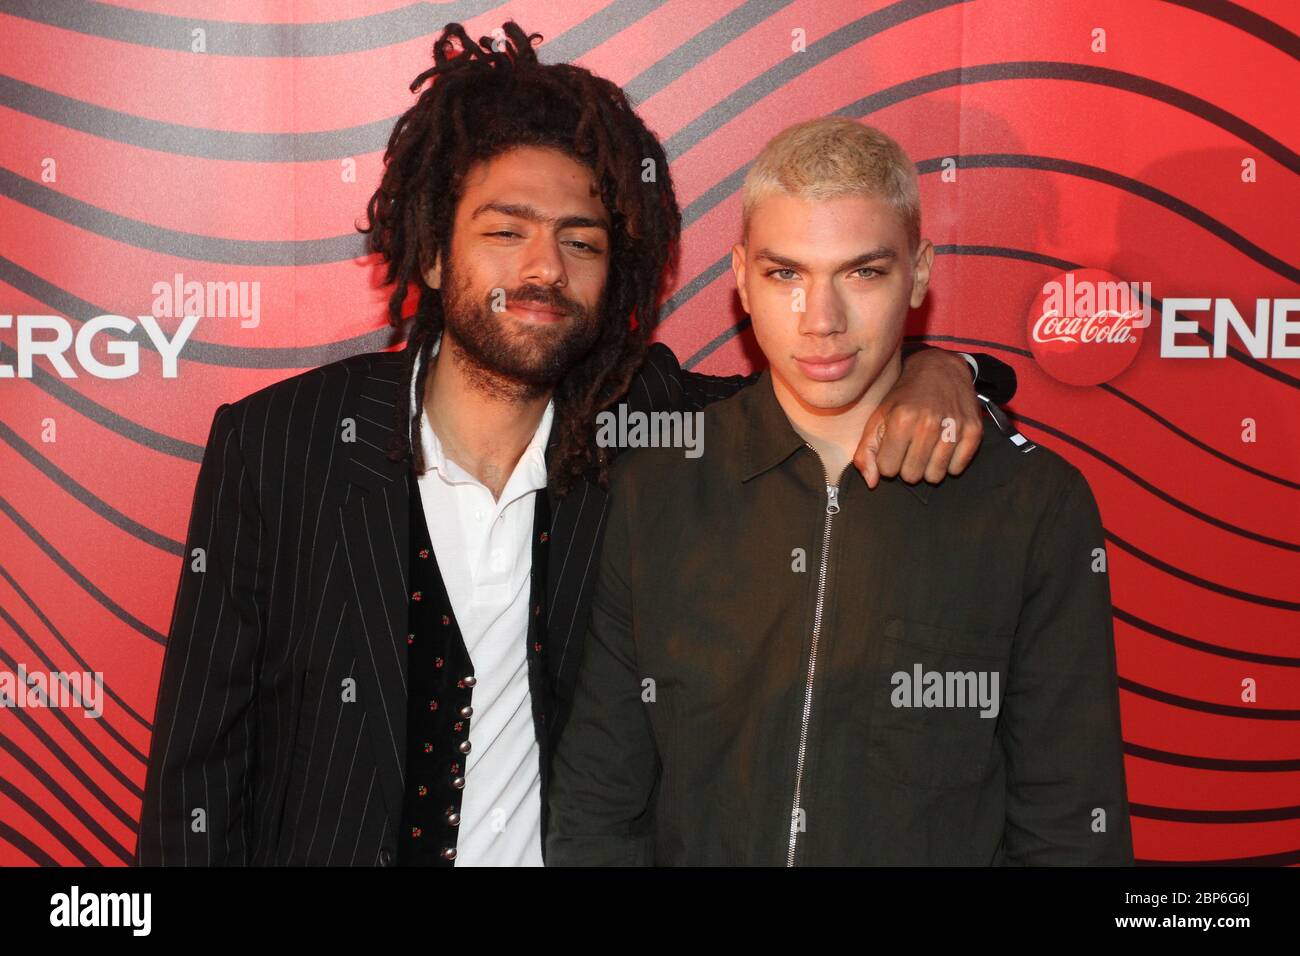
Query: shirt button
x=458 y=783
x=463 y=746
x=449 y=853
x=470 y=681
x=453 y=819
x=478 y=516
x=467 y=711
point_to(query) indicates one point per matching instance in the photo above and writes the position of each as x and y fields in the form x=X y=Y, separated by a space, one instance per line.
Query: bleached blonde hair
x=831 y=157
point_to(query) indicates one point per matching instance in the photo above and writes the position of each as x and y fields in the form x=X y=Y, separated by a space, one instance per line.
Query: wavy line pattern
x=1204 y=529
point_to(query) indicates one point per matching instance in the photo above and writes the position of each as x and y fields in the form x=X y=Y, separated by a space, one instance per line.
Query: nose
x=824 y=311
x=543 y=264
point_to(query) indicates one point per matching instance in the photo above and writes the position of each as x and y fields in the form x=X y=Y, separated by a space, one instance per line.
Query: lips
x=827 y=368
x=536 y=312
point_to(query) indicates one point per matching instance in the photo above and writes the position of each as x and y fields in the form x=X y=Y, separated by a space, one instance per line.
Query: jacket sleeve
x=606 y=766
x=1066 y=798
x=196 y=809
x=666 y=386
x=993 y=379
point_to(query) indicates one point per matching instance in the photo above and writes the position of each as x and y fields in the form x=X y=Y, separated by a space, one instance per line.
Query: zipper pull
x=832 y=499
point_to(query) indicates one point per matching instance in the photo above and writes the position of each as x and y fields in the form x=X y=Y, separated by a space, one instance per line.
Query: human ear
x=738 y=270
x=433 y=275
x=922 y=262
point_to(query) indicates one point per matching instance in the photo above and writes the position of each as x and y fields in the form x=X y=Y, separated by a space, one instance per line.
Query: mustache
x=551 y=298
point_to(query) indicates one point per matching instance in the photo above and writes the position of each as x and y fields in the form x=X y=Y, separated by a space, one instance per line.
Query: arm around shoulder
x=670 y=387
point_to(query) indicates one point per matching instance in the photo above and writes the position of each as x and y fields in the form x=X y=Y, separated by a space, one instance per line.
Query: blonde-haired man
x=785 y=667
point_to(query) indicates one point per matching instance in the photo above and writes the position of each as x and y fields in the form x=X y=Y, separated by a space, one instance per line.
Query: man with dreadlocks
x=372 y=654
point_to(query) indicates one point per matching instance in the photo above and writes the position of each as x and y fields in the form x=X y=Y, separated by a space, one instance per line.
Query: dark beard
x=508 y=359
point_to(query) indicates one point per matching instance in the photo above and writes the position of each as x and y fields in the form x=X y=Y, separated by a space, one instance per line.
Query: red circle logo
x=1085 y=326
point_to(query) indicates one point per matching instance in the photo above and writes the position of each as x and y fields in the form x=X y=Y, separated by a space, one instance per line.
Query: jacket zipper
x=832 y=509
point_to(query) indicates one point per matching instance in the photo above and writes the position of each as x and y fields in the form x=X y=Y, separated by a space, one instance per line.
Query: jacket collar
x=399 y=357
x=770 y=438
x=372 y=392
x=378 y=385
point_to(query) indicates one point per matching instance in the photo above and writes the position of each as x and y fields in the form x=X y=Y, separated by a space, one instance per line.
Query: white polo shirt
x=484 y=552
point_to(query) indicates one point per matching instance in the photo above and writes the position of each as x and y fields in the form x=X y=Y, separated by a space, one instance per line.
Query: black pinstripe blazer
x=279 y=734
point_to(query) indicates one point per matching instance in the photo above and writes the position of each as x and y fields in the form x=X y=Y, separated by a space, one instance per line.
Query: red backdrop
x=239 y=142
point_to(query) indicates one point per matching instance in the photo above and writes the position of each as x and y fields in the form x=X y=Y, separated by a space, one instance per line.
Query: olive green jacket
x=767 y=655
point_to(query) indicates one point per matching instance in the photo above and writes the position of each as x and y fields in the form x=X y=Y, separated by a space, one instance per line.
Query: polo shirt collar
x=770 y=438
x=530 y=471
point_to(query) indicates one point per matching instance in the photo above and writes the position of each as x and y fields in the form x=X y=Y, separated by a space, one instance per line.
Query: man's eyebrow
x=874 y=255
x=530 y=213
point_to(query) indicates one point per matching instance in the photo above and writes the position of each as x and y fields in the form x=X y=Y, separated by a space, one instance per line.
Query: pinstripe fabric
x=280 y=723
x=262 y=751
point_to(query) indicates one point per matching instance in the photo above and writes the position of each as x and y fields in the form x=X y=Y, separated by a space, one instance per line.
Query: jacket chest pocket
x=936 y=704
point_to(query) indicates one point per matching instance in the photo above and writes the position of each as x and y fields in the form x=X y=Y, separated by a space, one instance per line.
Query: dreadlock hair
x=485 y=99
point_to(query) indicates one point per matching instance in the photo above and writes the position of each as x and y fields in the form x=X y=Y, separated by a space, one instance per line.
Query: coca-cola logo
x=1108 y=326
x=1085 y=326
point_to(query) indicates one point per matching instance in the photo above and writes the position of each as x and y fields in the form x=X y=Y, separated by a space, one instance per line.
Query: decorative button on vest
x=440 y=682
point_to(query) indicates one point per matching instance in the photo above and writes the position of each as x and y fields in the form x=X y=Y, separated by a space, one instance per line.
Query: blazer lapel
x=374 y=530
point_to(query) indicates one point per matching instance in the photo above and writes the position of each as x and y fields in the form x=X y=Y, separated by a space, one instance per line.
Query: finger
x=870 y=469
x=893 y=446
x=967 y=446
x=924 y=437
x=937 y=469
x=868 y=447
